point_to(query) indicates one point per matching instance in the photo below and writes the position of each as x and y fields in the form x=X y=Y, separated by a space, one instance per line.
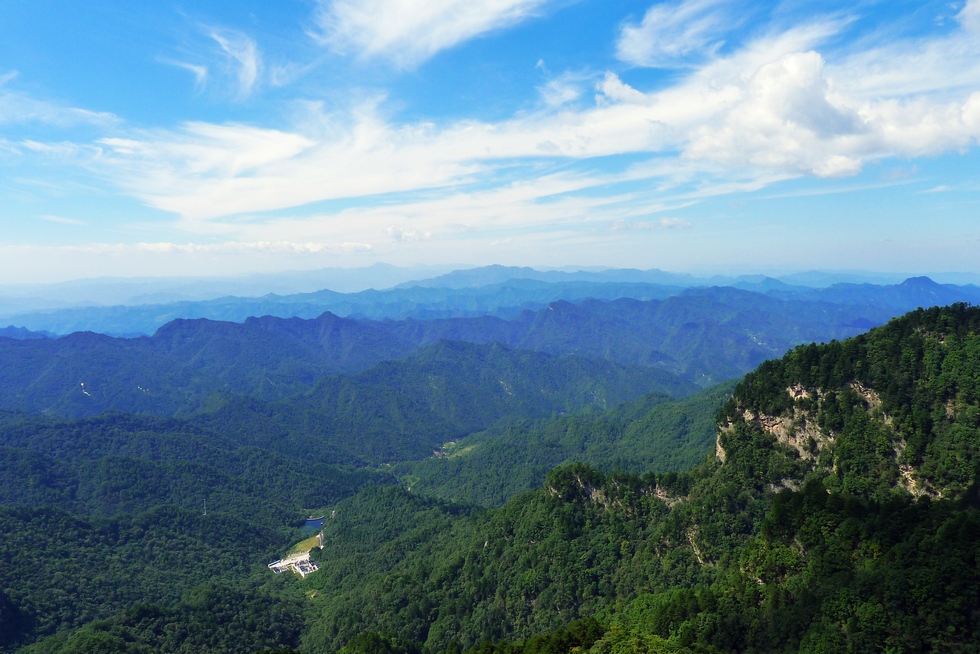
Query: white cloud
x=769 y=111
x=230 y=247
x=773 y=109
x=785 y=120
x=647 y=225
x=200 y=72
x=17 y=107
x=611 y=88
x=969 y=16
x=672 y=34
x=242 y=58
x=403 y=234
x=561 y=90
x=60 y=220
x=407 y=32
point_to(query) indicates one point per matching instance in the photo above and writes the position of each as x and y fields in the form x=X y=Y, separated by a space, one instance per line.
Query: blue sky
x=148 y=138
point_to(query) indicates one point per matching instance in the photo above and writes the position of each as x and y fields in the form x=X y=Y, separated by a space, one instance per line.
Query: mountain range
x=835 y=508
x=564 y=477
x=494 y=290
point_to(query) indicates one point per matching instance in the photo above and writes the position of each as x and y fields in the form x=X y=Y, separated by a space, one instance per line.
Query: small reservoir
x=313 y=524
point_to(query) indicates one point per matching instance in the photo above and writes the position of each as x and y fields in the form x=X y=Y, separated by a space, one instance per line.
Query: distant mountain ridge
x=491 y=290
x=702 y=335
x=22 y=334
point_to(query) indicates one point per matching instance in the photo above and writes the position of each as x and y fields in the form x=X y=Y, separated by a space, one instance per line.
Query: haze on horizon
x=157 y=139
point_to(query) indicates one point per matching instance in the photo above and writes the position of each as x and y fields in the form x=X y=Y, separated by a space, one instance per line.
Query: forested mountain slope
x=403 y=410
x=117 y=464
x=840 y=514
x=838 y=510
x=706 y=335
x=490 y=467
x=101 y=514
x=270 y=358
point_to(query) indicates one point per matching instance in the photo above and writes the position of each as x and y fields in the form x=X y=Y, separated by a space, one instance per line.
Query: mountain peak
x=920 y=282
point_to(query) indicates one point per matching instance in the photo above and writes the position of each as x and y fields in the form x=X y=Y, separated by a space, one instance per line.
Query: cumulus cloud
x=407 y=32
x=785 y=119
x=674 y=34
x=402 y=234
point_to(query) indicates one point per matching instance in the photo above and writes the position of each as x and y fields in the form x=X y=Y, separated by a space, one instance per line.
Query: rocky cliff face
x=895 y=410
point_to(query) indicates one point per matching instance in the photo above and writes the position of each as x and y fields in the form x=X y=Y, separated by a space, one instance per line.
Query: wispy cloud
x=61 y=220
x=407 y=32
x=199 y=71
x=676 y=34
x=405 y=234
x=771 y=109
x=230 y=247
x=648 y=225
x=565 y=88
x=19 y=107
x=242 y=58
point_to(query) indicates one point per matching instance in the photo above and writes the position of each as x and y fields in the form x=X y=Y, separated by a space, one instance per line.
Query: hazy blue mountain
x=21 y=334
x=111 y=291
x=911 y=294
x=505 y=299
x=706 y=335
x=703 y=334
x=497 y=274
x=492 y=290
